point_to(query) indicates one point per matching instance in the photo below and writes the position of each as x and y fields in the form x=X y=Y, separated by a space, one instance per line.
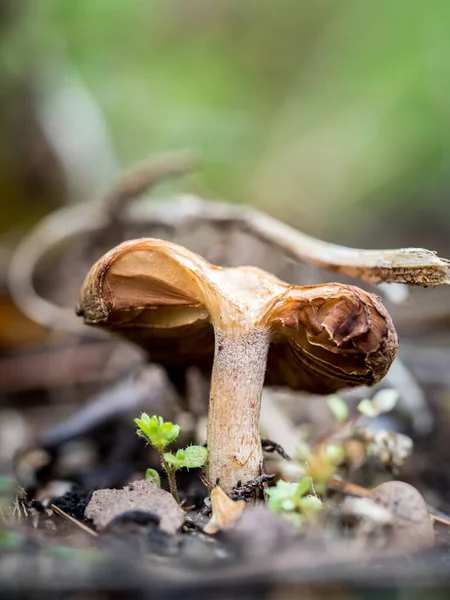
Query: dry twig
x=356 y=490
x=67 y=517
x=412 y=266
x=61 y=227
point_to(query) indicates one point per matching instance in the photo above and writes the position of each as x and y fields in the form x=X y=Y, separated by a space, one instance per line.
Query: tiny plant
x=153 y=476
x=347 y=446
x=338 y=408
x=293 y=500
x=156 y=432
x=160 y=434
x=351 y=442
x=383 y=401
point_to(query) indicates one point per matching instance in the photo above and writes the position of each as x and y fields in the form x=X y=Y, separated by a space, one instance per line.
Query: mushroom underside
x=293 y=360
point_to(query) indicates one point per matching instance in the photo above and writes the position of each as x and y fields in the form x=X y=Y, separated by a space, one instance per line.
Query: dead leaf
x=225 y=512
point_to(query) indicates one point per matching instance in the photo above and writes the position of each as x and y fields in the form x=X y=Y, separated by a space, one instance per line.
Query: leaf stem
x=171 y=478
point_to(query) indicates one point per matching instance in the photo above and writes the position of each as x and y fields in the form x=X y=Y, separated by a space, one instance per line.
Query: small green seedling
x=153 y=476
x=156 y=432
x=160 y=434
x=191 y=457
x=293 y=500
x=383 y=401
x=338 y=408
x=347 y=445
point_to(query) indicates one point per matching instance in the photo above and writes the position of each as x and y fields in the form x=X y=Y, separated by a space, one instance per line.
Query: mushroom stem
x=234 y=444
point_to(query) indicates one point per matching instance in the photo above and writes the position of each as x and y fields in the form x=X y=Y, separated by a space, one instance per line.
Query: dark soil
x=74 y=503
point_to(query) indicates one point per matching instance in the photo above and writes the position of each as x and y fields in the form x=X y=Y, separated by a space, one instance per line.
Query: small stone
x=411 y=529
x=106 y=505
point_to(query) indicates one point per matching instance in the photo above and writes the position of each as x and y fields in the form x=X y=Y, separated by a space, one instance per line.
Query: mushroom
x=249 y=325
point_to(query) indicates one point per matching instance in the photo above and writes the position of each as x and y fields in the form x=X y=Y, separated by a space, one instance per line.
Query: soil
x=263 y=557
x=45 y=556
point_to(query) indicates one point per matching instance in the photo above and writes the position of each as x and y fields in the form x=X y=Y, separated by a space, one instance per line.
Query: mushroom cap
x=169 y=300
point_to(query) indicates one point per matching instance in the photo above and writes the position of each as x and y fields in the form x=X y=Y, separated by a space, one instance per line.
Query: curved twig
x=412 y=266
x=62 y=226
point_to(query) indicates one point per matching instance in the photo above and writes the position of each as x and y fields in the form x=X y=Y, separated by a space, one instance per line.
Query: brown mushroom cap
x=169 y=300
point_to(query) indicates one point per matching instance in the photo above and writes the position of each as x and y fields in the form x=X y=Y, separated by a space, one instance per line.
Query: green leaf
x=335 y=453
x=282 y=496
x=287 y=504
x=287 y=497
x=338 y=408
x=156 y=432
x=367 y=408
x=169 y=431
x=310 y=504
x=282 y=488
x=152 y=475
x=385 y=400
x=191 y=457
x=382 y=402
x=173 y=460
x=195 y=457
x=303 y=487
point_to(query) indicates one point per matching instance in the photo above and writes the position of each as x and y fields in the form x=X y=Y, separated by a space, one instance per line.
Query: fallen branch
x=61 y=227
x=72 y=520
x=412 y=266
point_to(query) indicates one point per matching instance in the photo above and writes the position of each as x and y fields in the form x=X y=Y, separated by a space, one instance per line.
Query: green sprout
x=383 y=401
x=153 y=476
x=191 y=457
x=156 y=432
x=348 y=444
x=338 y=408
x=160 y=434
x=293 y=500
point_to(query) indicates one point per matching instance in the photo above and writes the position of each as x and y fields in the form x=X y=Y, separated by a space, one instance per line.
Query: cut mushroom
x=250 y=326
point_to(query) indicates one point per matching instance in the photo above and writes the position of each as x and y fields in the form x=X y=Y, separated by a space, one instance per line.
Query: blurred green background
x=332 y=115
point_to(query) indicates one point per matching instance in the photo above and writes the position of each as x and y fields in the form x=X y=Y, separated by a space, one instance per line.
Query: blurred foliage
x=310 y=109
